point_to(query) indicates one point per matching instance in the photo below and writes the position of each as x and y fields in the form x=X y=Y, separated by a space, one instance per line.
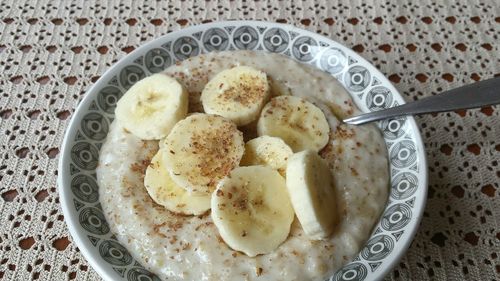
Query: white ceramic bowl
x=368 y=87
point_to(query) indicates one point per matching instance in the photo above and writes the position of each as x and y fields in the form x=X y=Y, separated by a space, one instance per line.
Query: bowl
x=370 y=90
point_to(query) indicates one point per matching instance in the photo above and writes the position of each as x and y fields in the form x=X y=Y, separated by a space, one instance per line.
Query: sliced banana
x=201 y=150
x=252 y=210
x=298 y=122
x=238 y=94
x=310 y=186
x=167 y=193
x=161 y=143
x=267 y=151
x=152 y=106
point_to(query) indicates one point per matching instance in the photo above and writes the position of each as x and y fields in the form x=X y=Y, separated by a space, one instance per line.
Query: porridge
x=204 y=244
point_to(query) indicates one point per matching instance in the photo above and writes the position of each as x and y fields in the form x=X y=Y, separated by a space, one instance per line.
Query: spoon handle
x=474 y=95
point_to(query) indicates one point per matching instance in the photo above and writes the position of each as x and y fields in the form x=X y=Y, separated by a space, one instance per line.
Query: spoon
x=474 y=95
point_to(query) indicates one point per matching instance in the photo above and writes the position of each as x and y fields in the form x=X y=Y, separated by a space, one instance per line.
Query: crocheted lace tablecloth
x=51 y=52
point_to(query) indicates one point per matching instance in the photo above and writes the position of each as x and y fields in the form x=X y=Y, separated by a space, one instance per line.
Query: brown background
x=51 y=52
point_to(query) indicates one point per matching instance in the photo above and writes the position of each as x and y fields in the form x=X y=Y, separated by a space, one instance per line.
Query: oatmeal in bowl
x=178 y=196
x=216 y=153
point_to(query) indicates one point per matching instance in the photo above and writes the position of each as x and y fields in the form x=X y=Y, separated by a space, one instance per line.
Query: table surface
x=51 y=52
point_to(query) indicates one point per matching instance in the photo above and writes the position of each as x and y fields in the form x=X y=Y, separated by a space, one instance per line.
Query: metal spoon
x=478 y=94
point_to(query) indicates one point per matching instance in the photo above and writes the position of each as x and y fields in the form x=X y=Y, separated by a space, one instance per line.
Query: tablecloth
x=51 y=52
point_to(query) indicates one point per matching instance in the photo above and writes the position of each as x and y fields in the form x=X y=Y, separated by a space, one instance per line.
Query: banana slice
x=165 y=192
x=298 y=122
x=252 y=210
x=201 y=150
x=268 y=151
x=152 y=106
x=238 y=94
x=310 y=185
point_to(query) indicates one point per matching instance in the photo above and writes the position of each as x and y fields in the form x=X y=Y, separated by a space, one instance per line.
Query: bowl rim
x=62 y=180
